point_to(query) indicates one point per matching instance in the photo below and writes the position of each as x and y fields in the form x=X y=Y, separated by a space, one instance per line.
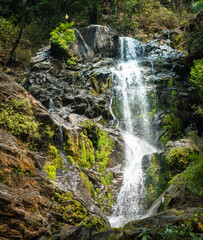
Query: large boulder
x=91 y=41
x=102 y=40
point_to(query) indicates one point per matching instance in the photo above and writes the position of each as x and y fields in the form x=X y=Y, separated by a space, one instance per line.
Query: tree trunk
x=93 y=14
x=15 y=44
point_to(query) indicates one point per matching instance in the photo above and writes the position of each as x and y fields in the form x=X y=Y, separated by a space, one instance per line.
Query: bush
x=63 y=36
x=194 y=42
x=7 y=35
x=196 y=6
x=196 y=75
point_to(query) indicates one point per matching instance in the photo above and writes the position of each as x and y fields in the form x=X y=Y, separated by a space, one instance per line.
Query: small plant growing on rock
x=63 y=36
x=54 y=161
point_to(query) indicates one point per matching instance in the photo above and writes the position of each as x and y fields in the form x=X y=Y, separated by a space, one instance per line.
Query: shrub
x=196 y=6
x=63 y=36
x=194 y=42
x=7 y=35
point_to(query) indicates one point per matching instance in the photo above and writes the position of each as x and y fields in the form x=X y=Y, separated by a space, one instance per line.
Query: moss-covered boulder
x=176 y=157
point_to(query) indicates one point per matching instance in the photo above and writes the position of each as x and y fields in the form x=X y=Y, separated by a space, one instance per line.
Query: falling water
x=130 y=91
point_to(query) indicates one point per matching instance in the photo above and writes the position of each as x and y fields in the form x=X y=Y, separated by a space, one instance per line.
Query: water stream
x=129 y=92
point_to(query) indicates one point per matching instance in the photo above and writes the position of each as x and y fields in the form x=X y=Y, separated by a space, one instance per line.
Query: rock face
x=9 y=89
x=92 y=41
x=29 y=201
x=75 y=103
x=161 y=168
x=103 y=40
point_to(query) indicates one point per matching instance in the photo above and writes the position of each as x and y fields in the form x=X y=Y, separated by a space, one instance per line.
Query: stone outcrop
x=9 y=89
x=160 y=168
x=71 y=99
x=92 y=41
x=27 y=195
x=103 y=40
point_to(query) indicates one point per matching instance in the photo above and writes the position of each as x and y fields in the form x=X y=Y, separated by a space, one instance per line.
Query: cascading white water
x=130 y=90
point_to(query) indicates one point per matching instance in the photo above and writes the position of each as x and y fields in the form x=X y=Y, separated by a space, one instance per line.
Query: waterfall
x=129 y=92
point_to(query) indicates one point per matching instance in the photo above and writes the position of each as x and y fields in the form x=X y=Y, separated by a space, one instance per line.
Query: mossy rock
x=177 y=154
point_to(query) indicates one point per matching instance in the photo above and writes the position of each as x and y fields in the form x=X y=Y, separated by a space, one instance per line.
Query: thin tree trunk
x=15 y=44
x=93 y=14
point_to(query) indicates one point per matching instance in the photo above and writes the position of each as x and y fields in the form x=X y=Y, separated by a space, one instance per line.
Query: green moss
x=89 y=185
x=72 y=150
x=179 y=158
x=87 y=157
x=192 y=177
x=172 y=127
x=158 y=176
x=50 y=170
x=104 y=149
x=54 y=161
x=107 y=179
x=110 y=199
x=74 y=213
x=117 y=107
x=101 y=142
x=17 y=117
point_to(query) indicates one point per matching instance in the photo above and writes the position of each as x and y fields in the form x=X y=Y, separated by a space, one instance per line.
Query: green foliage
x=194 y=41
x=107 y=179
x=145 y=234
x=7 y=34
x=72 y=61
x=181 y=231
x=110 y=199
x=17 y=117
x=196 y=75
x=63 y=36
x=196 y=6
x=50 y=170
x=102 y=144
x=172 y=127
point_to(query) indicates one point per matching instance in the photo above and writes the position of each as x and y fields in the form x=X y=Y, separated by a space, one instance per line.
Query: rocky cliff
x=62 y=156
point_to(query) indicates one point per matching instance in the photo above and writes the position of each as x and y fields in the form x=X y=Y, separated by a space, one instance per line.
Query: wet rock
x=109 y=234
x=182 y=143
x=81 y=48
x=146 y=161
x=173 y=217
x=9 y=89
x=77 y=233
